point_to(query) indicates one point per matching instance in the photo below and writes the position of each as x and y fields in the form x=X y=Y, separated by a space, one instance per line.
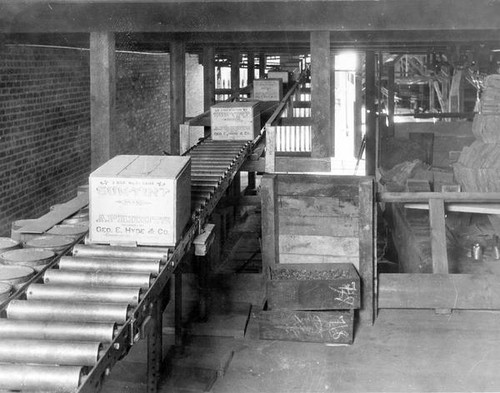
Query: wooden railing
x=289 y=128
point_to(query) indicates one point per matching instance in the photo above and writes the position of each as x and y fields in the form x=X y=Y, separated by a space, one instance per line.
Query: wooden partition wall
x=320 y=219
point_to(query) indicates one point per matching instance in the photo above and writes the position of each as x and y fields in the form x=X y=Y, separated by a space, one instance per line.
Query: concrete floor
x=404 y=351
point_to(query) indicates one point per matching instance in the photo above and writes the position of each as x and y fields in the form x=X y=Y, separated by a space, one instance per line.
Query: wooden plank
x=295 y=121
x=318 y=245
x=55 y=216
x=270 y=166
x=318 y=226
x=102 y=95
x=313 y=287
x=317 y=206
x=318 y=259
x=289 y=164
x=438 y=236
x=452 y=291
x=321 y=132
x=367 y=260
x=482 y=208
x=177 y=93
x=309 y=326
x=475 y=197
x=270 y=222
x=344 y=187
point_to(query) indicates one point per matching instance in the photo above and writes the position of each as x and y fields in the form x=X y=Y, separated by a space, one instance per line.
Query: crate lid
x=237 y=104
x=135 y=166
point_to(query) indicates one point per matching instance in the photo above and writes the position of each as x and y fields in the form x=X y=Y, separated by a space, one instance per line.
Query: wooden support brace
x=204 y=240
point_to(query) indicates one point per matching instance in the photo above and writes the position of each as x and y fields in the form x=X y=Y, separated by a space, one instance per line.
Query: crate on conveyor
x=140 y=200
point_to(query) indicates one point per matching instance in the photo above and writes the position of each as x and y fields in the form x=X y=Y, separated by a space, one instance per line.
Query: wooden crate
x=235 y=120
x=313 y=286
x=334 y=327
x=268 y=89
x=143 y=200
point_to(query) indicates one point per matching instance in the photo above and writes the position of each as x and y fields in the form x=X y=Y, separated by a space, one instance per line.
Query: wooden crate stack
x=478 y=167
x=311 y=302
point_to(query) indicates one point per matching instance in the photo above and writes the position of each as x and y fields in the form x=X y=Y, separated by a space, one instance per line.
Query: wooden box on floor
x=312 y=302
x=332 y=327
x=313 y=286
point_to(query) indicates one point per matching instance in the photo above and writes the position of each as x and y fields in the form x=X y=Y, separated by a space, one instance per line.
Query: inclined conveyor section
x=65 y=328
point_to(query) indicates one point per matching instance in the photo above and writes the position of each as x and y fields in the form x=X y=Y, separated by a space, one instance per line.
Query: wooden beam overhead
x=203 y=16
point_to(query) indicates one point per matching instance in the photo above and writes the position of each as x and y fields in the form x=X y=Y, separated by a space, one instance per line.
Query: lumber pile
x=478 y=167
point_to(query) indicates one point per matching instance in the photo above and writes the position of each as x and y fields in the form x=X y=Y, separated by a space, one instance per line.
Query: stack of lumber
x=478 y=167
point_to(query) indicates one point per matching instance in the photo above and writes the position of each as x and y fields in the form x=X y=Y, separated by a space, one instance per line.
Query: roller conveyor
x=99 y=300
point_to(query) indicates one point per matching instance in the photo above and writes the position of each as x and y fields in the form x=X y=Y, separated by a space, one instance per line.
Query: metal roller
x=98 y=332
x=51 y=310
x=97 y=279
x=39 y=378
x=83 y=294
x=205 y=183
x=151 y=266
x=221 y=167
x=120 y=252
x=67 y=353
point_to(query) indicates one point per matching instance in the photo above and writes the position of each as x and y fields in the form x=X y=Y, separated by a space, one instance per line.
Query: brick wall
x=45 y=122
x=142 y=104
x=44 y=129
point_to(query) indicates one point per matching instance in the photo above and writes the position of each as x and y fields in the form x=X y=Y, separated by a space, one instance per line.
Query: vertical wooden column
x=358 y=105
x=332 y=103
x=262 y=65
x=251 y=67
x=371 y=115
x=390 y=98
x=367 y=260
x=208 y=77
x=438 y=236
x=270 y=222
x=321 y=130
x=235 y=71
x=177 y=93
x=102 y=95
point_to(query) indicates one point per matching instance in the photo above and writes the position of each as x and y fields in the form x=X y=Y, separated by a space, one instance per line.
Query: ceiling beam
x=231 y=16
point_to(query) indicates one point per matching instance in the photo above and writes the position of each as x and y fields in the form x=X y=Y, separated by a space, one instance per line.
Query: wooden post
x=208 y=77
x=270 y=164
x=367 y=264
x=251 y=67
x=270 y=222
x=262 y=65
x=179 y=339
x=177 y=93
x=235 y=71
x=320 y=94
x=371 y=115
x=438 y=236
x=358 y=136
x=155 y=352
x=102 y=95
x=332 y=103
x=390 y=99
